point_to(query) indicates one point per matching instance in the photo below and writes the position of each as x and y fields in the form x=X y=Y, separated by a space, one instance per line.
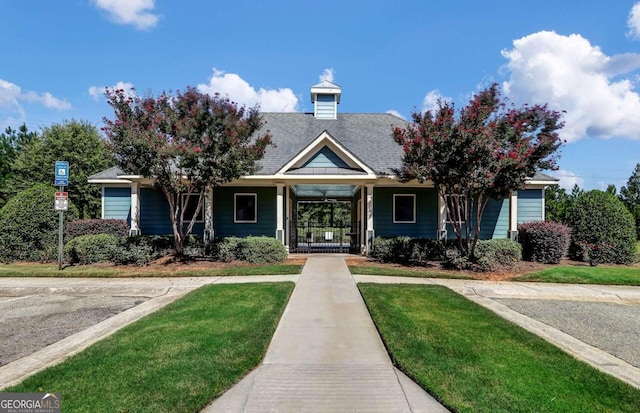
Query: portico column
x=135 y=209
x=280 y=212
x=370 y=231
x=442 y=218
x=513 y=215
x=209 y=233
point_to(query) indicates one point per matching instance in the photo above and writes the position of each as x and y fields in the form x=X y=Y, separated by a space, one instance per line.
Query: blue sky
x=581 y=57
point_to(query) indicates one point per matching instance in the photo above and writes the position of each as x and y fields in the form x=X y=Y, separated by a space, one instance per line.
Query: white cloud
x=138 y=13
x=567 y=179
x=327 y=74
x=571 y=75
x=432 y=99
x=240 y=91
x=97 y=92
x=396 y=114
x=633 y=22
x=11 y=96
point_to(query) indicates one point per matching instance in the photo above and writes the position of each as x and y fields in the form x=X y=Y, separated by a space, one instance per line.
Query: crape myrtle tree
x=186 y=142
x=485 y=151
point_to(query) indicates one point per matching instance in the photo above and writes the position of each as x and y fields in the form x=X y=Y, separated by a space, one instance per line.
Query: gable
x=325 y=158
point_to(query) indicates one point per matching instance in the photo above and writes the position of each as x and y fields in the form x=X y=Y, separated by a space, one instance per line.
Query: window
x=404 y=209
x=246 y=208
x=452 y=201
x=190 y=201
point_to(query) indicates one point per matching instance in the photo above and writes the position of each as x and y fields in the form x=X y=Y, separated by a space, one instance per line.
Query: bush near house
x=116 y=227
x=256 y=250
x=30 y=225
x=490 y=255
x=404 y=250
x=602 y=229
x=544 y=241
x=90 y=249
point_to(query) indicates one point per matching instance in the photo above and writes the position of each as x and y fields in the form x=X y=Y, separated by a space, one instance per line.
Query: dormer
x=325 y=97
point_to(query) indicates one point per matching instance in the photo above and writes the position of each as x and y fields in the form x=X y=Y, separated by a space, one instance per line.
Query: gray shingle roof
x=111 y=173
x=366 y=135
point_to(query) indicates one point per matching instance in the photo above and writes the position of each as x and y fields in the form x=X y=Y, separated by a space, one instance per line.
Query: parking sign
x=62 y=173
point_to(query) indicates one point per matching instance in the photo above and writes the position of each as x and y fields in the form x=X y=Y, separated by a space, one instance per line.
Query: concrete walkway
x=489 y=294
x=326 y=356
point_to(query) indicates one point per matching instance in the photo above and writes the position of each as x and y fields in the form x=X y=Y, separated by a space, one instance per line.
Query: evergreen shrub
x=544 y=241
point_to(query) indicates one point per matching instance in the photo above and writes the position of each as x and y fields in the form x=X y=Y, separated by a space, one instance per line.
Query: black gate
x=318 y=237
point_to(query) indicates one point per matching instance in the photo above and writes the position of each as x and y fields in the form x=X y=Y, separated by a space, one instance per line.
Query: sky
x=580 y=57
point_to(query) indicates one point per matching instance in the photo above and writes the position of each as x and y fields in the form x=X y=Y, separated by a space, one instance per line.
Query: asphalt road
x=611 y=327
x=32 y=322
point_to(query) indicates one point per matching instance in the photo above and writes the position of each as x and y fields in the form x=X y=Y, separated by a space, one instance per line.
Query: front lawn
x=404 y=272
x=585 y=275
x=175 y=360
x=474 y=361
x=186 y=270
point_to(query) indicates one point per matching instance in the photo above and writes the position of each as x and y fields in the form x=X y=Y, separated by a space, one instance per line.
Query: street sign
x=62 y=201
x=62 y=173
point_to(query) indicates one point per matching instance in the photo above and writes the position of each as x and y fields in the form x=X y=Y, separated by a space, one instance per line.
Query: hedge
x=90 y=249
x=257 y=250
x=545 y=242
x=116 y=227
x=404 y=250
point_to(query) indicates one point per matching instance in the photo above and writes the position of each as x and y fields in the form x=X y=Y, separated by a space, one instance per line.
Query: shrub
x=497 y=253
x=406 y=250
x=117 y=227
x=136 y=250
x=89 y=249
x=490 y=255
x=602 y=229
x=30 y=225
x=542 y=241
x=226 y=249
x=261 y=250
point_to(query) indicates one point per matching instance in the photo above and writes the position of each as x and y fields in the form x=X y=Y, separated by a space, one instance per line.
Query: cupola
x=325 y=97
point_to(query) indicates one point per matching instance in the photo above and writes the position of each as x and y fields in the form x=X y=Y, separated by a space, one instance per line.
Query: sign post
x=62 y=202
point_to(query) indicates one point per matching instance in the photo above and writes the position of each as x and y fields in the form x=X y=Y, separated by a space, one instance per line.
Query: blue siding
x=426 y=225
x=223 y=212
x=154 y=214
x=325 y=158
x=325 y=107
x=530 y=205
x=117 y=203
x=494 y=224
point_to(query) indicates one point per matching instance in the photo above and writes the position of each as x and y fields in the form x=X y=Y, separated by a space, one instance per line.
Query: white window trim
x=235 y=208
x=200 y=217
x=414 y=208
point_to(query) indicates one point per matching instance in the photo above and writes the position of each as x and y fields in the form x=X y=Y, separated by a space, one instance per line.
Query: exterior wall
x=154 y=214
x=495 y=221
x=223 y=212
x=116 y=203
x=325 y=158
x=530 y=205
x=426 y=225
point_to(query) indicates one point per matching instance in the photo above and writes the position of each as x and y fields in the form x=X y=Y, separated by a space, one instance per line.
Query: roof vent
x=325 y=97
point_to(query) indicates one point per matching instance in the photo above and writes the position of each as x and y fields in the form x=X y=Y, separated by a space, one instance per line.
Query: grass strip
x=474 y=361
x=175 y=360
x=88 y=271
x=402 y=272
x=586 y=275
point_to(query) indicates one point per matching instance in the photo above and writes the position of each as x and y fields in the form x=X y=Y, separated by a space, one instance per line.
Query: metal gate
x=318 y=237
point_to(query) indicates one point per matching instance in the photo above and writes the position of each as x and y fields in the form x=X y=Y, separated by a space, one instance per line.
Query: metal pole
x=60 y=240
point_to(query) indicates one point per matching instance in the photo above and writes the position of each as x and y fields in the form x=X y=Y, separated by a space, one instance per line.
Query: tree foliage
x=602 y=229
x=486 y=151
x=186 y=143
x=630 y=196
x=12 y=142
x=76 y=142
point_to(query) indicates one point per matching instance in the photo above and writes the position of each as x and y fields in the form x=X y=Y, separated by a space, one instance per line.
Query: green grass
x=586 y=275
x=51 y=270
x=473 y=361
x=175 y=360
x=401 y=272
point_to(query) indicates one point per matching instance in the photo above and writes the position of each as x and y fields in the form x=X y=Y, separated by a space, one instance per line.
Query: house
x=339 y=161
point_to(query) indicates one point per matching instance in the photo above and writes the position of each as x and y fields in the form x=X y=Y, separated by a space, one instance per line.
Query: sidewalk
x=326 y=356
